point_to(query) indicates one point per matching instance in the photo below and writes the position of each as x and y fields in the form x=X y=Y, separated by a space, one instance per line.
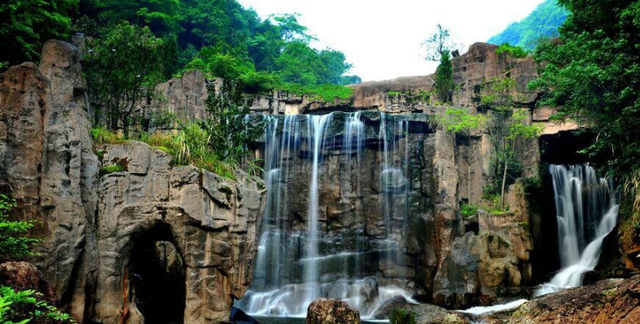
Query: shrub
x=468 y=210
x=21 y=307
x=514 y=51
x=13 y=240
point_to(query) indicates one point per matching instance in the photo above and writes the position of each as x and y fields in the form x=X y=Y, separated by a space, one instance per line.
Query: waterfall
x=316 y=127
x=586 y=213
x=298 y=262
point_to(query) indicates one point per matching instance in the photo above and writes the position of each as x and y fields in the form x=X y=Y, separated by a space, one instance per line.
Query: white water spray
x=582 y=201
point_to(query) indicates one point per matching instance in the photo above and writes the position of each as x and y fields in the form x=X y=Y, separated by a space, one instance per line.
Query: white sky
x=382 y=38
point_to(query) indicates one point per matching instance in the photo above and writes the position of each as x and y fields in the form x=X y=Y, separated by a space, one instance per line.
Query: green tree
x=13 y=240
x=438 y=43
x=27 y=24
x=226 y=124
x=122 y=69
x=438 y=48
x=593 y=72
x=444 y=78
x=509 y=126
x=161 y=16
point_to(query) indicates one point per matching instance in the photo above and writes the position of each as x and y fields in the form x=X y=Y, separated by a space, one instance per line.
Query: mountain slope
x=542 y=23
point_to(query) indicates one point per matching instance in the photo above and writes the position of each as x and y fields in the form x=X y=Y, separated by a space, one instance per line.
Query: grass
x=111 y=169
x=189 y=146
x=324 y=92
x=104 y=136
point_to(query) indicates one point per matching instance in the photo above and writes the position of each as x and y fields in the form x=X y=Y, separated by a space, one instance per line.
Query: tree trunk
x=504 y=181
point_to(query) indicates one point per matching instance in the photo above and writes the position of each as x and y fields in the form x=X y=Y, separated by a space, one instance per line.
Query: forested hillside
x=220 y=37
x=542 y=23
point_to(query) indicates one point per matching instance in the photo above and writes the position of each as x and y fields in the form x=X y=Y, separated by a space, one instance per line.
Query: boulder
x=385 y=310
x=426 y=314
x=25 y=276
x=329 y=311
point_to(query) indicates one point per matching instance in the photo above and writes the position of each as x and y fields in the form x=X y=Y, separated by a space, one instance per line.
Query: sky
x=382 y=38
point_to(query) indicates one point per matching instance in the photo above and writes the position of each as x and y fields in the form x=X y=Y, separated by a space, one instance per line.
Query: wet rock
x=329 y=311
x=369 y=288
x=425 y=314
x=385 y=310
x=608 y=301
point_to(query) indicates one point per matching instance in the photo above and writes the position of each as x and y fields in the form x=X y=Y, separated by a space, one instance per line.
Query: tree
x=444 y=78
x=226 y=124
x=461 y=121
x=439 y=43
x=27 y=24
x=593 y=72
x=13 y=240
x=509 y=125
x=122 y=69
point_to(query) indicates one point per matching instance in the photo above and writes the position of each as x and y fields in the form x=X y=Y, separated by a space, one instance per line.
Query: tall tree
x=121 y=70
x=27 y=24
x=593 y=72
x=444 y=78
x=438 y=43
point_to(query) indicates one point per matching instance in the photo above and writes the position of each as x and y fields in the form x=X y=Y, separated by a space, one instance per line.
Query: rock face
x=425 y=314
x=608 y=301
x=328 y=311
x=209 y=220
x=109 y=236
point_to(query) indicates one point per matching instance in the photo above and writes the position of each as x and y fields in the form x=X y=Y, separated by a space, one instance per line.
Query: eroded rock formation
x=96 y=224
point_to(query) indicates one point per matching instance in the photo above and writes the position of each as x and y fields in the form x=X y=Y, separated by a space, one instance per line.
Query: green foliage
x=460 y=120
x=299 y=63
x=104 y=136
x=112 y=168
x=323 y=92
x=514 y=51
x=121 y=71
x=444 y=78
x=27 y=24
x=468 y=210
x=13 y=240
x=541 y=24
x=28 y=306
x=225 y=124
x=403 y=316
x=509 y=127
x=593 y=72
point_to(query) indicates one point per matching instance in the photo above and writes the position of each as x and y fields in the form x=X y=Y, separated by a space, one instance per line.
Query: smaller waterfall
x=586 y=213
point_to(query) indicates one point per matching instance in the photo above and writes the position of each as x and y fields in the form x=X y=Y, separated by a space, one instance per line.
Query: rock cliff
x=108 y=235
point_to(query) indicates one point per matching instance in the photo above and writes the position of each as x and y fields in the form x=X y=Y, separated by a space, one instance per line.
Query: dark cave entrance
x=158 y=277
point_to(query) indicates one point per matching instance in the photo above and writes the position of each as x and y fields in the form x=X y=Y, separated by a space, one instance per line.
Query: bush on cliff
x=14 y=242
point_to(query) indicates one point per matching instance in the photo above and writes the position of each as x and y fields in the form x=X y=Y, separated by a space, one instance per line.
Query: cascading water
x=316 y=126
x=586 y=213
x=294 y=265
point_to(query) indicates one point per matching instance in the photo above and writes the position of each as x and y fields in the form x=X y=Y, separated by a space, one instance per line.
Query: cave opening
x=158 y=277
